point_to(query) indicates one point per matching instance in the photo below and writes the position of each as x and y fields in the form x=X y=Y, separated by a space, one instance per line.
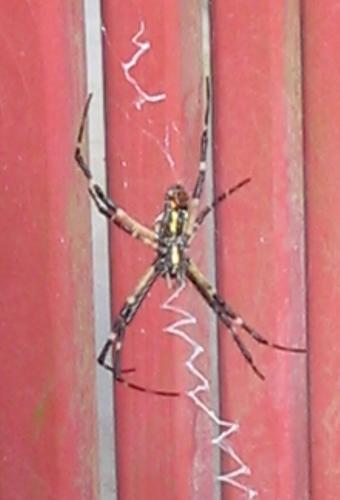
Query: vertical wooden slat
x=154 y=88
x=47 y=417
x=260 y=265
x=321 y=42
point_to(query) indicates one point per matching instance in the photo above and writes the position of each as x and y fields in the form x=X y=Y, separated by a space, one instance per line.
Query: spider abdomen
x=172 y=240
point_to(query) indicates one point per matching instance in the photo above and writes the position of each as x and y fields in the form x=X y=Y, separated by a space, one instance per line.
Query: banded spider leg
x=103 y=203
x=125 y=316
x=230 y=319
x=120 y=218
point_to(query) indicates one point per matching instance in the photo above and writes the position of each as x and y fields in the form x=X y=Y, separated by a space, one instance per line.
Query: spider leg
x=197 y=192
x=125 y=316
x=231 y=320
x=206 y=211
x=103 y=203
x=78 y=154
x=209 y=295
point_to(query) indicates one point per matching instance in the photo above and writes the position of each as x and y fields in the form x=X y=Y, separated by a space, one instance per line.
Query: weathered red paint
x=260 y=237
x=163 y=445
x=47 y=417
x=321 y=43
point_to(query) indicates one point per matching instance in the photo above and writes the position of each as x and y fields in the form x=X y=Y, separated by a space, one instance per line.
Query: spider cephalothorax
x=178 y=197
x=171 y=237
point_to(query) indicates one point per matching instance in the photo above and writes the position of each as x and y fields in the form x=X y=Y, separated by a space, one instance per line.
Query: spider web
x=225 y=428
x=142 y=47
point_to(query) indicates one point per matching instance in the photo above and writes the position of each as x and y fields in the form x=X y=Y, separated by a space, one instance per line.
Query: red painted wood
x=322 y=142
x=47 y=417
x=260 y=238
x=163 y=445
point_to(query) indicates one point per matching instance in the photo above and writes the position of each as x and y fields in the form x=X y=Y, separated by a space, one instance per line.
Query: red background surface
x=139 y=142
x=322 y=139
x=276 y=80
x=260 y=236
x=47 y=405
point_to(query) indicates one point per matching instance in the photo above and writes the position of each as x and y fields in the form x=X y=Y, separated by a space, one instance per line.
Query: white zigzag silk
x=226 y=428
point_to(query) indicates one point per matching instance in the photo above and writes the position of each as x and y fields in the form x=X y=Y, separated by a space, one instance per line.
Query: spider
x=171 y=237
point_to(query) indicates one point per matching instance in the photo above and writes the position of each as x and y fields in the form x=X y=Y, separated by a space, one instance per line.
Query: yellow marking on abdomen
x=175 y=255
x=173 y=222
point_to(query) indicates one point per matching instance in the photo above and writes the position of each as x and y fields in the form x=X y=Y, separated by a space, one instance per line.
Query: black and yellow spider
x=171 y=237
